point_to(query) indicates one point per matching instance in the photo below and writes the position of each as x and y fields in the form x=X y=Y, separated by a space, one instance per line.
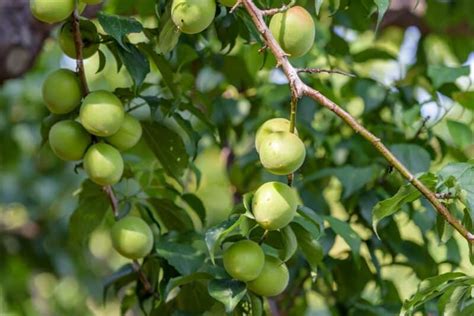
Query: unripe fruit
x=128 y=134
x=193 y=16
x=274 y=205
x=69 y=140
x=90 y=39
x=51 y=11
x=102 y=113
x=294 y=30
x=62 y=91
x=269 y=127
x=132 y=237
x=273 y=280
x=228 y=3
x=244 y=260
x=282 y=153
x=103 y=164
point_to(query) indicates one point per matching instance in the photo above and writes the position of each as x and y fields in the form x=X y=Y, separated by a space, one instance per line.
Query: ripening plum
x=103 y=164
x=49 y=11
x=102 y=113
x=193 y=16
x=294 y=30
x=274 y=205
x=244 y=260
x=271 y=126
x=273 y=280
x=282 y=153
x=69 y=140
x=62 y=91
x=128 y=134
x=90 y=39
x=132 y=237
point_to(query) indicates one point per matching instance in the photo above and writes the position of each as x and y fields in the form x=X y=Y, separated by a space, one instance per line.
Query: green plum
x=294 y=30
x=89 y=35
x=128 y=134
x=69 y=140
x=244 y=260
x=193 y=16
x=271 y=126
x=273 y=280
x=102 y=113
x=103 y=164
x=62 y=91
x=274 y=205
x=282 y=153
x=132 y=237
x=52 y=11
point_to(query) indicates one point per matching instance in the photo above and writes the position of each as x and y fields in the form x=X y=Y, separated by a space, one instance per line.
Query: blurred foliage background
x=413 y=88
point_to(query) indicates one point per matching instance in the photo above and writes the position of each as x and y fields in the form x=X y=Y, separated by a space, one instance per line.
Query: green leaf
x=182 y=280
x=465 y=98
x=464 y=175
x=228 y=292
x=440 y=75
x=183 y=257
x=449 y=302
x=353 y=179
x=317 y=5
x=215 y=235
x=136 y=63
x=165 y=69
x=102 y=61
x=311 y=248
x=119 y=26
x=461 y=134
x=90 y=213
x=372 y=53
x=311 y=216
x=169 y=37
x=382 y=7
x=168 y=148
x=290 y=243
x=123 y=276
x=405 y=194
x=414 y=157
x=196 y=204
x=345 y=230
x=171 y=215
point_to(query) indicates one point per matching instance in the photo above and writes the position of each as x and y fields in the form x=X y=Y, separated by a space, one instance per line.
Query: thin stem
x=329 y=71
x=299 y=88
x=281 y=9
x=79 y=56
x=293 y=108
x=114 y=203
x=143 y=279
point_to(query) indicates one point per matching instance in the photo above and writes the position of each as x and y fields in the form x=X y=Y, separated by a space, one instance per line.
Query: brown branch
x=79 y=56
x=112 y=199
x=329 y=71
x=299 y=89
x=143 y=279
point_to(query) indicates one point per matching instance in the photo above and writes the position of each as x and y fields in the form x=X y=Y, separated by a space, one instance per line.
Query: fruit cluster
x=273 y=206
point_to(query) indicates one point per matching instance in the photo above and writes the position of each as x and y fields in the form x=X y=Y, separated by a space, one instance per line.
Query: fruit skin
x=294 y=30
x=244 y=260
x=102 y=113
x=228 y=3
x=271 y=126
x=103 y=164
x=274 y=205
x=128 y=134
x=282 y=153
x=69 y=140
x=193 y=16
x=273 y=280
x=51 y=11
x=90 y=39
x=62 y=91
x=132 y=237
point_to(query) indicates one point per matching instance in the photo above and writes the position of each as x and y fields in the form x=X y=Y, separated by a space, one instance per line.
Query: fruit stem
x=79 y=56
x=293 y=108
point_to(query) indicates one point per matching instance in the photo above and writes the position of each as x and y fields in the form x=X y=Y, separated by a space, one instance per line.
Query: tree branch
x=299 y=89
x=329 y=71
x=283 y=8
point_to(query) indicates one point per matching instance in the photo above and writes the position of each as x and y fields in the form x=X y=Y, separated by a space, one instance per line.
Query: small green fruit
x=294 y=30
x=244 y=260
x=102 y=113
x=128 y=134
x=69 y=140
x=62 y=91
x=90 y=39
x=273 y=280
x=228 y=3
x=193 y=16
x=51 y=11
x=274 y=205
x=271 y=126
x=282 y=153
x=103 y=164
x=132 y=237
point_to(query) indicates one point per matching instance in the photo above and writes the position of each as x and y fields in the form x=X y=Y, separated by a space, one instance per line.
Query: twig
x=283 y=8
x=422 y=127
x=236 y=5
x=79 y=56
x=293 y=107
x=299 y=89
x=143 y=279
x=329 y=71
x=112 y=199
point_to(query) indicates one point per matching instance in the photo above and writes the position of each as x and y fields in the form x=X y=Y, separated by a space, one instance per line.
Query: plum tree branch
x=299 y=89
